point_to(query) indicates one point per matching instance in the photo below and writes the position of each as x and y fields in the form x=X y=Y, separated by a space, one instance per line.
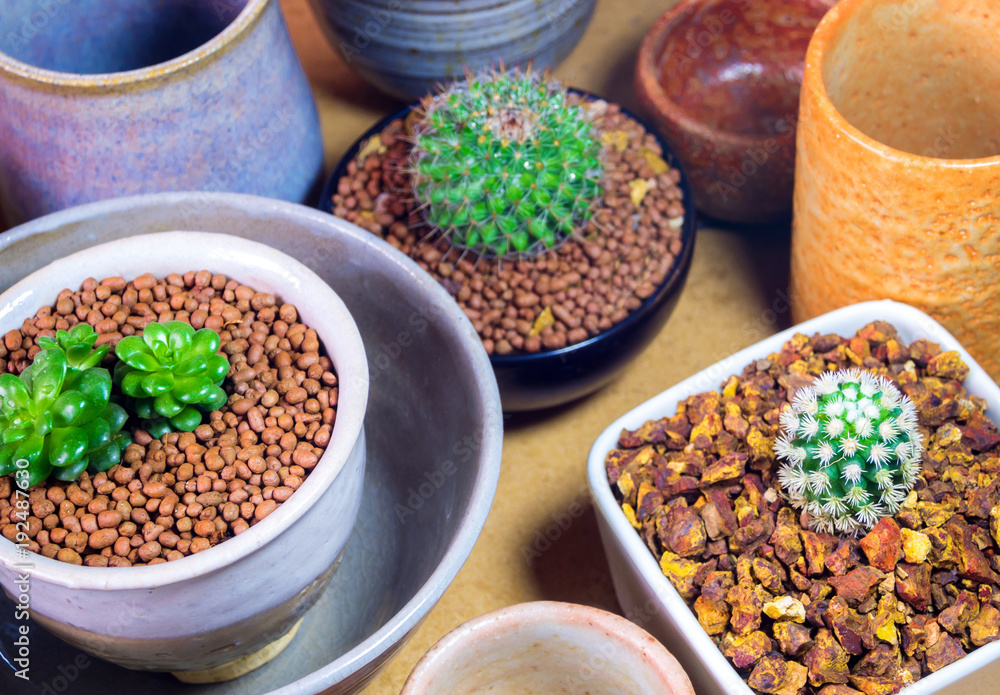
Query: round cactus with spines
x=851 y=450
x=503 y=165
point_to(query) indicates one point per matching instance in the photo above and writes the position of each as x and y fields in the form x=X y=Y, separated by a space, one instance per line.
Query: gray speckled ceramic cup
x=101 y=99
x=236 y=598
x=407 y=47
x=430 y=472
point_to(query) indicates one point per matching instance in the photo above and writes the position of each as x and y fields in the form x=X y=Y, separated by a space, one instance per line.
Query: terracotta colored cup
x=897 y=190
x=548 y=647
x=720 y=80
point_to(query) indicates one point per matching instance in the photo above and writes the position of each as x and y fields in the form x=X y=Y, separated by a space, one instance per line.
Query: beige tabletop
x=733 y=298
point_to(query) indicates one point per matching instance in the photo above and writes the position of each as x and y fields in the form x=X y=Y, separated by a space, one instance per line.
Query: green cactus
x=503 y=165
x=171 y=375
x=58 y=420
x=851 y=449
x=78 y=344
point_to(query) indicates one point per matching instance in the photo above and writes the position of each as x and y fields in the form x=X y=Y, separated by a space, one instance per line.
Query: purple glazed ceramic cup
x=100 y=99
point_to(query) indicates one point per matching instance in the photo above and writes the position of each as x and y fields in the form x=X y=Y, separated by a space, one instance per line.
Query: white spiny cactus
x=851 y=450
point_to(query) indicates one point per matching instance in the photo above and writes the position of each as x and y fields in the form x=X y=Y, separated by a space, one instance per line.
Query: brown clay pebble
x=614 y=262
x=186 y=492
x=784 y=601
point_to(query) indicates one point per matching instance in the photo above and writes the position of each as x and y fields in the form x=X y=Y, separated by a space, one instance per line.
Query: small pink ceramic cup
x=548 y=647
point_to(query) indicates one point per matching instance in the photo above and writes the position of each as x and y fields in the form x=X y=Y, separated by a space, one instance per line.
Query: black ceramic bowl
x=532 y=381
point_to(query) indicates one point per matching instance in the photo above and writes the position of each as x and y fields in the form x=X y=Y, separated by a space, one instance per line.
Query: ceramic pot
x=548 y=647
x=420 y=514
x=720 y=80
x=229 y=602
x=407 y=48
x=897 y=190
x=640 y=585
x=103 y=99
x=549 y=378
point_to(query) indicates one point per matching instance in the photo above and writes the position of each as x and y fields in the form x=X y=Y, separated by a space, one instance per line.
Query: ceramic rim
x=672 y=282
x=145 y=76
x=826 y=32
x=346 y=434
x=647 y=73
x=506 y=620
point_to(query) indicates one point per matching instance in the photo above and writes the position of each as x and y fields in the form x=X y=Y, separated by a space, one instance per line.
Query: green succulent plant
x=58 y=420
x=851 y=449
x=171 y=375
x=503 y=165
x=78 y=344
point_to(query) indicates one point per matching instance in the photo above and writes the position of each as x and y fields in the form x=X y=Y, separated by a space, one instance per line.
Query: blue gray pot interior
x=407 y=47
x=153 y=95
x=550 y=378
x=433 y=429
x=97 y=36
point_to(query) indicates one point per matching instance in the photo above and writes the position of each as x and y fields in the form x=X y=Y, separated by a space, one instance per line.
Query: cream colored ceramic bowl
x=232 y=600
x=545 y=647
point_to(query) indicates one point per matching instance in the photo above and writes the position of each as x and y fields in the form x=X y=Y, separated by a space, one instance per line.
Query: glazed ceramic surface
x=407 y=47
x=897 y=191
x=649 y=598
x=100 y=99
x=548 y=647
x=720 y=79
x=260 y=582
x=431 y=471
x=546 y=379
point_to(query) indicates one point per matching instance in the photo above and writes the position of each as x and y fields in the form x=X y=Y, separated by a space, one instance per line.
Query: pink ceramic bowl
x=720 y=80
x=548 y=647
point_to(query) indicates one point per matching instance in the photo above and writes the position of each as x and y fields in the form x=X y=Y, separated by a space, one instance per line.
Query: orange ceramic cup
x=897 y=181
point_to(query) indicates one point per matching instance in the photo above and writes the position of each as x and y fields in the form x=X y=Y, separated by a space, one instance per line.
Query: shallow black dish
x=532 y=381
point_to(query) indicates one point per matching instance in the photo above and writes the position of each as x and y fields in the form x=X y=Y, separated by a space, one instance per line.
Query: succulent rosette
x=851 y=450
x=173 y=375
x=78 y=344
x=57 y=420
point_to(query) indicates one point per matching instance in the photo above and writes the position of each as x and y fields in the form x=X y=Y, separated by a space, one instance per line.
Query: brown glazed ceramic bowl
x=720 y=79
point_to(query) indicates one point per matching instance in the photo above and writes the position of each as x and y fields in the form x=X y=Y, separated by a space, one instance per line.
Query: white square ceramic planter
x=648 y=597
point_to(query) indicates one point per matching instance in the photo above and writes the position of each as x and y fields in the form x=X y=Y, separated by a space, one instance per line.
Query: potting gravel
x=575 y=291
x=187 y=491
x=801 y=612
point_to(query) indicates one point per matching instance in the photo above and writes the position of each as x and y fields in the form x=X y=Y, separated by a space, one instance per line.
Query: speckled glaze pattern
x=897 y=191
x=410 y=539
x=548 y=647
x=407 y=47
x=259 y=583
x=720 y=80
x=82 y=119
